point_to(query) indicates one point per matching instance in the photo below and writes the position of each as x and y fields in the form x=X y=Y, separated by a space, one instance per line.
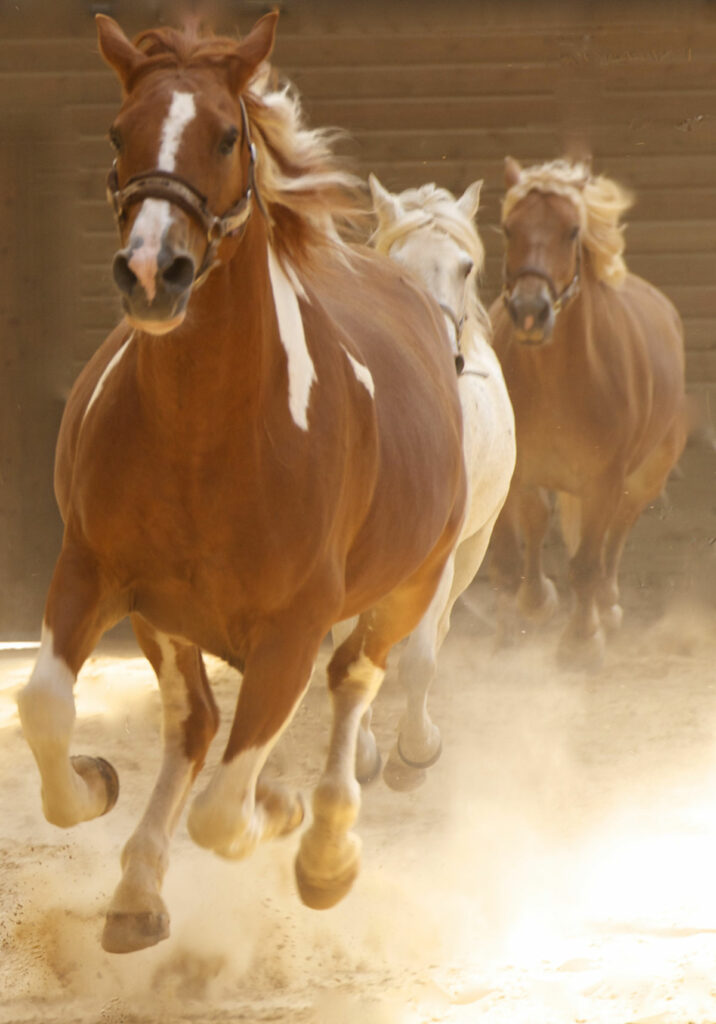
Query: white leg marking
x=301 y=371
x=47 y=712
x=349 y=707
x=146 y=854
x=155 y=216
x=362 y=373
x=225 y=816
x=105 y=374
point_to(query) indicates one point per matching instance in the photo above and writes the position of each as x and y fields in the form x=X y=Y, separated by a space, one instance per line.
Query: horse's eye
x=573 y=234
x=228 y=141
x=115 y=139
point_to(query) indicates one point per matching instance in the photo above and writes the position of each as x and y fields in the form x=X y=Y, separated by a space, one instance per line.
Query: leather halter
x=173 y=188
x=458 y=324
x=559 y=299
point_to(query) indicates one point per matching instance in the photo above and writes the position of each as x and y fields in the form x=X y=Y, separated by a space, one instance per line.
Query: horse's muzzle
x=532 y=314
x=154 y=298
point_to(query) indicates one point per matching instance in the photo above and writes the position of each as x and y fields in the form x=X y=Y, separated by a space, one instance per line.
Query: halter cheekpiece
x=559 y=299
x=173 y=188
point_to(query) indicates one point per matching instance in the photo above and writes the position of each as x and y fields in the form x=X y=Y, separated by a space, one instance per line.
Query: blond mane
x=313 y=201
x=432 y=208
x=599 y=201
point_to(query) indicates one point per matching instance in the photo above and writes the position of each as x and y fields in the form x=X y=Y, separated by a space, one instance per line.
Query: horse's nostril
x=124 y=276
x=179 y=275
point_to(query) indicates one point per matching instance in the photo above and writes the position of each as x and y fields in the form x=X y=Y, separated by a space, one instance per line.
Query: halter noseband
x=171 y=187
x=559 y=299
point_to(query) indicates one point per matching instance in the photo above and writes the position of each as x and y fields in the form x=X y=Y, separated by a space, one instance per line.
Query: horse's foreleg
x=329 y=856
x=582 y=643
x=137 y=916
x=642 y=487
x=505 y=566
x=239 y=808
x=418 y=744
x=537 y=594
x=77 y=612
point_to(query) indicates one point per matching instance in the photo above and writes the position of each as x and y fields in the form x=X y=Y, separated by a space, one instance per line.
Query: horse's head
x=182 y=181
x=414 y=228
x=542 y=255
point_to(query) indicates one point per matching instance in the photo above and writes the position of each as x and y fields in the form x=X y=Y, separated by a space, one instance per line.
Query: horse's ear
x=253 y=50
x=121 y=55
x=469 y=201
x=385 y=204
x=513 y=172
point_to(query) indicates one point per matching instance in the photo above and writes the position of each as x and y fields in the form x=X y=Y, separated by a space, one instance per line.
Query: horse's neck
x=226 y=350
x=475 y=338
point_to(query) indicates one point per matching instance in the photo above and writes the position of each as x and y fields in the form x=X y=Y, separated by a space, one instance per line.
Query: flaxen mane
x=600 y=202
x=307 y=191
x=436 y=209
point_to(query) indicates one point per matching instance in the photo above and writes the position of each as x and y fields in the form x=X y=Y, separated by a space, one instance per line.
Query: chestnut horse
x=593 y=357
x=432 y=234
x=270 y=442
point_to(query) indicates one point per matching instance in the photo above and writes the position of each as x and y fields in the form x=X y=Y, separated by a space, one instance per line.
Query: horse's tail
x=570 y=520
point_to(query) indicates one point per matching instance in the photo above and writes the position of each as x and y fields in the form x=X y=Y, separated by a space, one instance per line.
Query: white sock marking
x=301 y=371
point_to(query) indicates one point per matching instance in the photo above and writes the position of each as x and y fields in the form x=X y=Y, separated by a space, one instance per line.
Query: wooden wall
x=427 y=92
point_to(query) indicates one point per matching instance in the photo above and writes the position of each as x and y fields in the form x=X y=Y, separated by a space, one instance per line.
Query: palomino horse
x=270 y=442
x=593 y=357
x=430 y=233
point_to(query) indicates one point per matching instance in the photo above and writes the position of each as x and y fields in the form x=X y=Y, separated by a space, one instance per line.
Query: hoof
x=367 y=773
x=400 y=776
x=127 y=933
x=321 y=892
x=427 y=762
x=611 y=617
x=582 y=654
x=85 y=766
x=541 y=611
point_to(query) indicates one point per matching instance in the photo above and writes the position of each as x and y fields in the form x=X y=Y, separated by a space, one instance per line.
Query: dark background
x=427 y=92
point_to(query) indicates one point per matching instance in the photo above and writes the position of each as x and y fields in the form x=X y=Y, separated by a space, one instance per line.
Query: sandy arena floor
x=558 y=865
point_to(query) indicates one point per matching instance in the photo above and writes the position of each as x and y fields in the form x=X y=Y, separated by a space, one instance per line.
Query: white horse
x=434 y=237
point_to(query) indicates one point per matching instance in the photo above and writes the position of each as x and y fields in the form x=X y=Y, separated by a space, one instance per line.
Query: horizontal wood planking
x=443 y=93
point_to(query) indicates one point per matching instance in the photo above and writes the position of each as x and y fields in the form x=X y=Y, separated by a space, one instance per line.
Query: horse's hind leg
x=137 y=916
x=77 y=612
x=329 y=856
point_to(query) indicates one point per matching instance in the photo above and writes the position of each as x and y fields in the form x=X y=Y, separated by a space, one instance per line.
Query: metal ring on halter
x=174 y=189
x=559 y=300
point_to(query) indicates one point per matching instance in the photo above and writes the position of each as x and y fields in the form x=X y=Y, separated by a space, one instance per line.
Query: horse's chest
x=560 y=446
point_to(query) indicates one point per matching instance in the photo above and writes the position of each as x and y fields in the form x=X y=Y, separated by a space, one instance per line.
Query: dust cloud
x=556 y=866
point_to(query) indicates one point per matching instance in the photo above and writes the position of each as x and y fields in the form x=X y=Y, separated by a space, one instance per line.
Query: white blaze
x=154 y=217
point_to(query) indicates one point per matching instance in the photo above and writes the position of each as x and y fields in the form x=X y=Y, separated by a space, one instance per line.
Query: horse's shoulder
x=79 y=398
